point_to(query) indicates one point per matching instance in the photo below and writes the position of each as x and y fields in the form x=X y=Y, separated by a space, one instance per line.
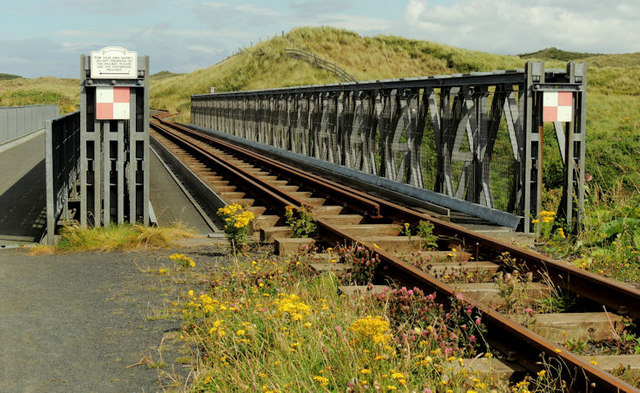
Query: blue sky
x=47 y=37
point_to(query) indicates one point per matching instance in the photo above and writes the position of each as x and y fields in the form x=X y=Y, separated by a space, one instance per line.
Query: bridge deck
x=22 y=192
x=23 y=200
x=169 y=202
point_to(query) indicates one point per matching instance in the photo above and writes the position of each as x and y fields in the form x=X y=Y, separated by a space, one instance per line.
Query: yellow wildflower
x=321 y=380
x=374 y=328
x=292 y=305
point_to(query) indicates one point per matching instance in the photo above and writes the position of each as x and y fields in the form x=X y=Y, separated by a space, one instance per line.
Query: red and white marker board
x=557 y=106
x=112 y=103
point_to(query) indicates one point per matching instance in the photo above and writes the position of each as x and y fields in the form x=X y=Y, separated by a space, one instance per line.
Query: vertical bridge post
x=114 y=138
x=474 y=139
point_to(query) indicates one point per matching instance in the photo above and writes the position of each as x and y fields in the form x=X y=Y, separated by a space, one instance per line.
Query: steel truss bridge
x=475 y=138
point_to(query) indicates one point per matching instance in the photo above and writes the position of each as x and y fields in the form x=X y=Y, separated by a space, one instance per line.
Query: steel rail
x=505 y=335
x=267 y=193
x=488 y=79
x=358 y=202
x=520 y=344
x=511 y=77
x=614 y=295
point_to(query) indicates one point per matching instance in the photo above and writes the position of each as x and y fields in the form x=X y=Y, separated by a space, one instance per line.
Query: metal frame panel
x=115 y=169
x=62 y=156
x=19 y=121
x=378 y=127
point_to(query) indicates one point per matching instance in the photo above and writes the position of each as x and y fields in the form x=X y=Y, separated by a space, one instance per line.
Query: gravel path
x=73 y=323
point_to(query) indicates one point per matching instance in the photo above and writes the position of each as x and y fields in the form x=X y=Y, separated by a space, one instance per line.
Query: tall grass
x=609 y=240
x=123 y=237
x=272 y=326
x=613 y=101
x=8 y=76
x=613 y=84
x=46 y=90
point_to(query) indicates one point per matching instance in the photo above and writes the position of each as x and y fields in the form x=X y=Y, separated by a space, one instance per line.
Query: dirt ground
x=96 y=322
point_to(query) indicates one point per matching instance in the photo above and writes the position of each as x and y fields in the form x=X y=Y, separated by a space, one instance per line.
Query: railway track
x=267 y=186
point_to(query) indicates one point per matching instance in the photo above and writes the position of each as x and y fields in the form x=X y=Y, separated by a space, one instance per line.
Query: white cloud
x=263 y=19
x=504 y=26
x=113 y=7
x=361 y=24
x=312 y=7
x=90 y=34
x=204 y=33
x=18 y=58
x=204 y=49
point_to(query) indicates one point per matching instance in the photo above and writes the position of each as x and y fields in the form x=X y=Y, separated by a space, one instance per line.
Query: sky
x=47 y=37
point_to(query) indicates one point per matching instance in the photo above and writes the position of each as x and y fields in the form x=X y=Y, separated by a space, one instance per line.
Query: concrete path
x=73 y=323
x=22 y=192
x=169 y=202
x=19 y=160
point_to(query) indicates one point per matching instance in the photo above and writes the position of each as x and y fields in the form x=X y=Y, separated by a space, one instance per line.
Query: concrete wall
x=18 y=121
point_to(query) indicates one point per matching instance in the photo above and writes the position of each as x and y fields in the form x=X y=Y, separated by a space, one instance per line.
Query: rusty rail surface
x=504 y=334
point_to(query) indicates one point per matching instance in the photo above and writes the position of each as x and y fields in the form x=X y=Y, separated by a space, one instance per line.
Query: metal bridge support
x=114 y=138
x=570 y=135
x=19 y=121
x=474 y=138
x=62 y=153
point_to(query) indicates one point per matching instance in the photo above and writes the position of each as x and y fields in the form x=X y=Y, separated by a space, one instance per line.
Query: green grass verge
x=46 y=90
x=123 y=237
x=270 y=325
x=8 y=76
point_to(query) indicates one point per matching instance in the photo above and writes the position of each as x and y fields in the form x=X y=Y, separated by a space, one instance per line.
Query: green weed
x=301 y=221
x=123 y=237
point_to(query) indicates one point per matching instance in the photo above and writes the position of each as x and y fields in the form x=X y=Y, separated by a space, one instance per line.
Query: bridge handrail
x=516 y=77
x=314 y=59
x=387 y=128
x=19 y=121
x=62 y=163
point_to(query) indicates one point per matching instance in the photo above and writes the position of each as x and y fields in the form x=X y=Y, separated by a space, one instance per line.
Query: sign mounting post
x=114 y=133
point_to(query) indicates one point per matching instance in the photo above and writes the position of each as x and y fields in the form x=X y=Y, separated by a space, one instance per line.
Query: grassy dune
x=265 y=65
x=8 y=76
x=46 y=90
x=613 y=102
x=613 y=83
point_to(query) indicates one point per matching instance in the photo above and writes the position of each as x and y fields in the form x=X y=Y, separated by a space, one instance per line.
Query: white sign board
x=112 y=103
x=114 y=62
x=557 y=106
